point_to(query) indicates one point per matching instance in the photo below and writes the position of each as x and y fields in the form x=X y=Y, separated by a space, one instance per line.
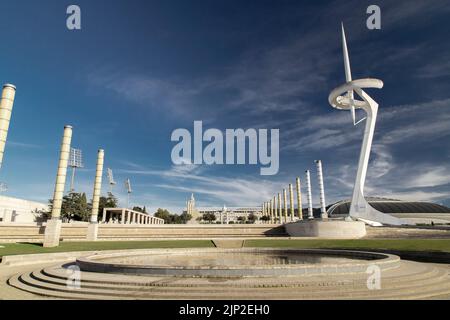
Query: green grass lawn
x=442 y=245
x=28 y=248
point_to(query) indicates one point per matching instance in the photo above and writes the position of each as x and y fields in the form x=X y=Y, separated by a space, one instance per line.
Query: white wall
x=19 y=210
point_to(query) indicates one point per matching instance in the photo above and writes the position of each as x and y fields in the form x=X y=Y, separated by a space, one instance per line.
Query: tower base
x=52 y=233
x=327 y=229
x=92 y=232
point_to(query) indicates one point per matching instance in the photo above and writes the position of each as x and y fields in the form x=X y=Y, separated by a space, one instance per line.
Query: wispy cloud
x=23 y=145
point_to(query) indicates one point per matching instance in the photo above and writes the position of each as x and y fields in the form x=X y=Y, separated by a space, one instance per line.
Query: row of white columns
x=53 y=228
x=129 y=217
x=278 y=212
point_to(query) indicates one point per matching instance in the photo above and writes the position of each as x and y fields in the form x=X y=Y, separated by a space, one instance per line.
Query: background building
x=20 y=211
x=230 y=214
x=412 y=212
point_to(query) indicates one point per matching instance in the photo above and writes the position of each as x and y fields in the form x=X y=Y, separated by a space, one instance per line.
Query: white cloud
x=430 y=177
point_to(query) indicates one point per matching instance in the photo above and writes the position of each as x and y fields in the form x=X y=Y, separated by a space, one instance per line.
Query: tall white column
x=285 y=206
x=53 y=228
x=323 y=208
x=280 y=214
x=299 y=199
x=97 y=185
x=92 y=232
x=308 y=186
x=6 y=106
x=276 y=209
x=271 y=211
x=291 y=201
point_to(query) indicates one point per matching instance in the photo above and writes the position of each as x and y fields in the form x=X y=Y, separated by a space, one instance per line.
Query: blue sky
x=140 y=69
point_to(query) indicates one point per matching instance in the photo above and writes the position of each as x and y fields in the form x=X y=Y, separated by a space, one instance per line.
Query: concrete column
x=135 y=217
x=275 y=213
x=6 y=106
x=323 y=207
x=93 y=226
x=97 y=186
x=271 y=211
x=279 y=209
x=285 y=206
x=308 y=186
x=291 y=201
x=299 y=199
x=122 y=217
x=263 y=210
x=104 y=216
x=53 y=228
x=267 y=211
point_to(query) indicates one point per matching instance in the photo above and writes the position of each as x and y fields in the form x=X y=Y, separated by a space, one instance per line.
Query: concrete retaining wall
x=78 y=231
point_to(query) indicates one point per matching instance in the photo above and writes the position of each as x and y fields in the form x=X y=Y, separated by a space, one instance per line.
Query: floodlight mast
x=75 y=161
x=112 y=183
x=128 y=186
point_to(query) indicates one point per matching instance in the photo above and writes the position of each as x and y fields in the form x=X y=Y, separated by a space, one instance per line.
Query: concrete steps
x=409 y=281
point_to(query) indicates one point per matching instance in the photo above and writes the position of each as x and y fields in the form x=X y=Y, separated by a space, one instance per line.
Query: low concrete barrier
x=78 y=231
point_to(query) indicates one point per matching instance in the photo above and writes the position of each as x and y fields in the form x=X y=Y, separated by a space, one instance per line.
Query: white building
x=230 y=214
x=14 y=210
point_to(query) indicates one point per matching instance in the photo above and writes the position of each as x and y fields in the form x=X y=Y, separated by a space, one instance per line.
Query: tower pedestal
x=92 y=232
x=52 y=233
x=327 y=229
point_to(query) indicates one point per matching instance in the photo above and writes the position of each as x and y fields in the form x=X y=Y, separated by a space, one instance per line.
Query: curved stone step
x=341 y=293
x=181 y=282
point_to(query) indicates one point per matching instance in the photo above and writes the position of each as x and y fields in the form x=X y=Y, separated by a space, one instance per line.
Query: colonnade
x=127 y=216
x=281 y=208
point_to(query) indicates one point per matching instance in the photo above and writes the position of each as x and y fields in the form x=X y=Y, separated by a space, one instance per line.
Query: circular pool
x=236 y=262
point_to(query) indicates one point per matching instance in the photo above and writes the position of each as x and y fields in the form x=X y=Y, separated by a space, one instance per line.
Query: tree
x=107 y=202
x=172 y=218
x=74 y=207
x=209 y=217
x=139 y=209
x=252 y=218
x=163 y=214
x=241 y=219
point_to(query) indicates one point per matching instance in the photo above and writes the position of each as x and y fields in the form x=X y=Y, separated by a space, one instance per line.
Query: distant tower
x=191 y=205
x=224 y=213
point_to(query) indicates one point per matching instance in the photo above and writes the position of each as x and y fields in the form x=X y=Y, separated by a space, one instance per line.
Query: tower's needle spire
x=348 y=72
